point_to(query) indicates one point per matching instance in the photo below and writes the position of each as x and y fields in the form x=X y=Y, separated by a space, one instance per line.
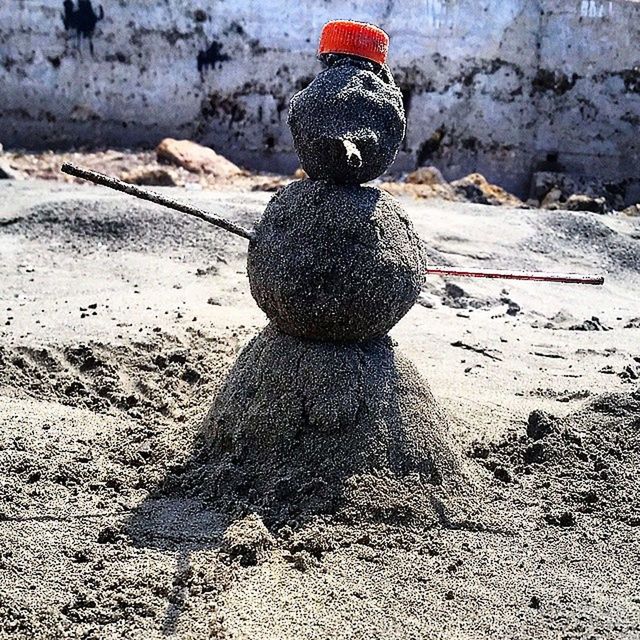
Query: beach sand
x=119 y=321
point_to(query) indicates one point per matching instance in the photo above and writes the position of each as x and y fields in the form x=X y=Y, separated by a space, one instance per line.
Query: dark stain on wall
x=212 y=56
x=488 y=67
x=200 y=15
x=234 y=27
x=118 y=56
x=407 y=94
x=82 y=20
x=551 y=163
x=556 y=81
x=631 y=78
x=470 y=144
x=224 y=108
x=8 y=63
x=430 y=147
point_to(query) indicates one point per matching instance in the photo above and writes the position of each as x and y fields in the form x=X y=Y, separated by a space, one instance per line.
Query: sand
x=349 y=122
x=119 y=323
x=334 y=262
x=347 y=431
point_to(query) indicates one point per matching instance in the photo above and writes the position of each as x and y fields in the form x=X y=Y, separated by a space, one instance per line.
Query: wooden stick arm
x=153 y=196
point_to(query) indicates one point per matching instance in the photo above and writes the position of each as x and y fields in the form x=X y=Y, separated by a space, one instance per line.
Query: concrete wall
x=490 y=85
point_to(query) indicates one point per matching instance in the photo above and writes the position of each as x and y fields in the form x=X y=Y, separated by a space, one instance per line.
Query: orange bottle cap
x=355 y=39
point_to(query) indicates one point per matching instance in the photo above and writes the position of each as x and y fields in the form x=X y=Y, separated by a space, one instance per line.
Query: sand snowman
x=321 y=414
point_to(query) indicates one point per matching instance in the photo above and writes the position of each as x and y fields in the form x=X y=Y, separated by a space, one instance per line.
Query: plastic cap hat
x=355 y=39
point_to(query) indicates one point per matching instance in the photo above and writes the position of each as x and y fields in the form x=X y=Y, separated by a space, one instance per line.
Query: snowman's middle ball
x=336 y=263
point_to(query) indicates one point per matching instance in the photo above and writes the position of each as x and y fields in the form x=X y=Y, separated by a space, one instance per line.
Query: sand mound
x=303 y=428
x=588 y=460
x=568 y=234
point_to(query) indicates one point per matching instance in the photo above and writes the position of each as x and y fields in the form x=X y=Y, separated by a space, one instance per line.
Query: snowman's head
x=348 y=124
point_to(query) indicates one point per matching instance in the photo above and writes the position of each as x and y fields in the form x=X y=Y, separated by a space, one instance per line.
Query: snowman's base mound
x=304 y=428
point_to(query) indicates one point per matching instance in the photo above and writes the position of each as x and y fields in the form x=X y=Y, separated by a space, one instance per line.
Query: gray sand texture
x=304 y=428
x=334 y=262
x=175 y=468
x=106 y=531
x=321 y=417
x=352 y=101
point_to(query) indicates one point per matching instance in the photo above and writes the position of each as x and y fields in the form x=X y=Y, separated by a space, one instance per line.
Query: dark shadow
x=181 y=524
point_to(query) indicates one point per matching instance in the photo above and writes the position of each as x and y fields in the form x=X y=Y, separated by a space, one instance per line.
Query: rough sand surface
x=118 y=323
x=351 y=431
x=335 y=262
x=349 y=122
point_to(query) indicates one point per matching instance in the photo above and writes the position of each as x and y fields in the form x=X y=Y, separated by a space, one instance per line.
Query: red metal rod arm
x=567 y=278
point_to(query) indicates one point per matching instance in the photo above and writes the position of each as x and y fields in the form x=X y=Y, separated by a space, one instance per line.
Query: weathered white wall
x=491 y=85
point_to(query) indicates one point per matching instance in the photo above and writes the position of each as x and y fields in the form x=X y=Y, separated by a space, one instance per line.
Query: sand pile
x=596 y=451
x=305 y=427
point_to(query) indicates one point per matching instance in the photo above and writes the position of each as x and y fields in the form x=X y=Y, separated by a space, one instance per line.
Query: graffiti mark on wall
x=82 y=20
x=212 y=56
x=595 y=8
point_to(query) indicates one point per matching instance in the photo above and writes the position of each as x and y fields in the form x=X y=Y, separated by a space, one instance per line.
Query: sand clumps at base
x=594 y=451
x=248 y=540
x=304 y=428
x=333 y=262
